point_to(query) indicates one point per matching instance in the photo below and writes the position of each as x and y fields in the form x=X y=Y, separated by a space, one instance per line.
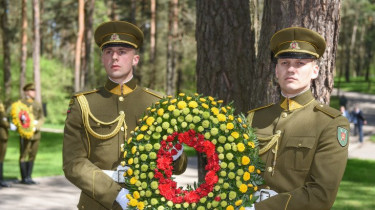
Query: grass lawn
x=356 y=84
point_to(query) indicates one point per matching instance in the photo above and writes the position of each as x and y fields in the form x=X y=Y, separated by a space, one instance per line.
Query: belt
x=264 y=194
x=118 y=175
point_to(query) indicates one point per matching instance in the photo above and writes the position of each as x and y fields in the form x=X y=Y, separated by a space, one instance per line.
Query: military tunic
x=85 y=156
x=307 y=159
x=29 y=147
x=4 y=125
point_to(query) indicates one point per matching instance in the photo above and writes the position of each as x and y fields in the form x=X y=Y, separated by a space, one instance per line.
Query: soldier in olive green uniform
x=303 y=143
x=99 y=121
x=29 y=147
x=4 y=126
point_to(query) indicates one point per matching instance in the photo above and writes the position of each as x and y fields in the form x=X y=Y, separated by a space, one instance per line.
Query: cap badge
x=114 y=37
x=294 y=45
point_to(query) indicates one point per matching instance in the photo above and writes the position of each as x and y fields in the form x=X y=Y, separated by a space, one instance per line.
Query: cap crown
x=117 y=32
x=297 y=40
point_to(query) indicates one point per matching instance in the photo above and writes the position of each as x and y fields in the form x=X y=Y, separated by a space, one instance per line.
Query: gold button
x=121 y=112
x=267 y=187
x=278 y=131
x=284 y=115
x=121 y=98
x=299 y=145
x=269 y=169
x=122 y=128
x=98 y=124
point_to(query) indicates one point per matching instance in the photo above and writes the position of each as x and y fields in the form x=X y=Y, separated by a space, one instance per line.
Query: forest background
x=218 y=48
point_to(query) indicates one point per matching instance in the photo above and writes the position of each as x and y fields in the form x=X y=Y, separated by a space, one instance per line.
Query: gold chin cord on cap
x=86 y=114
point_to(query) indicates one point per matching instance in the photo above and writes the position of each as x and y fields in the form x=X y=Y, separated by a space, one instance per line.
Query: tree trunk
x=319 y=15
x=6 y=53
x=225 y=54
x=36 y=52
x=152 y=78
x=88 y=64
x=171 y=48
x=23 y=47
x=81 y=26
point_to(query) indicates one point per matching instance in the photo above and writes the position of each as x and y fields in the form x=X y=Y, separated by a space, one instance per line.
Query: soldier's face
x=295 y=75
x=30 y=94
x=118 y=63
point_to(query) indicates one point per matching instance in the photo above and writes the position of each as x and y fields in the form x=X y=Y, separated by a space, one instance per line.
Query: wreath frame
x=25 y=127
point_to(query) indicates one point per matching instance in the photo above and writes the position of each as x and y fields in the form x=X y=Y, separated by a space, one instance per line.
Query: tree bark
x=89 y=77
x=225 y=54
x=322 y=16
x=6 y=53
x=153 y=43
x=36 y=52
x=171 y=48
x=81 y=26
x=23 y=48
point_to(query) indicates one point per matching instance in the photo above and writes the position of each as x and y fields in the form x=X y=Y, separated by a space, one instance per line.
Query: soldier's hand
x=122 y=199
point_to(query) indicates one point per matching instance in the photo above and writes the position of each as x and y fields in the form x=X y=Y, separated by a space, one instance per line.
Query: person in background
x=303 y=143
x=92 y=144
x=345 y=113
x=4 y=126
x=358 y=120
x=29 y=147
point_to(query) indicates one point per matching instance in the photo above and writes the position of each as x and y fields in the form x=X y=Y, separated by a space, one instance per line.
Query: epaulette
x=328 y=110
x=86 y=92
x=262 y=107
x=152 y=92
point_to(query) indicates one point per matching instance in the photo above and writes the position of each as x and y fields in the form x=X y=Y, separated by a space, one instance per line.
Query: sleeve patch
x=342 y=136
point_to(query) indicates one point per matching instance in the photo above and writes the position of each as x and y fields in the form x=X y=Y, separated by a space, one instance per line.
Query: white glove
x=12 y=127
x=252 y=207
x=264 y=194
x=121 y=198
x=179 y=153
x=118 y=175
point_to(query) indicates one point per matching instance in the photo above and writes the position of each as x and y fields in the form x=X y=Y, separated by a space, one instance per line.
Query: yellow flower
x=239 y=120
x=221 y=117
x=251 y=169
x=256 y=188
x=245 y=160
x=215 y=110
x=250 y=185
x=133 y=180
x=129 y=172
x=246 y=176
x=130 y=161
x=125 y=153
x=210 y=98
x=150 y=120
x=128 y=196
x=230 y=117
x=130 y=140
x=140 y=137
x=228 y=107
x=182 y=94
x=240 y=147
x=152 y=110
x=245 y=136
x=251 y=144
x=230 y=126
x=181 y=104
x=160 y=111
x=133 y=202
x=242 y=208
x=196 y=94
x=136 y=195
x=169 y=96
x=173 y=101
x=243 y=188
x=141 y=205
x=244 y=125
x=136 y=128
x=134 y=149
x=230 y=207
x=258 y=171
x=144 y=127
x=188 y=98
x=171 y=107
x=224 y=109
x=193 y=104
x=164 y=103
x=148 y=108
x=214 y=103
x=251 y=196
x=202 y=99
x=239 y=202
x=205 y=106
x=235 y=135
x=220 y=101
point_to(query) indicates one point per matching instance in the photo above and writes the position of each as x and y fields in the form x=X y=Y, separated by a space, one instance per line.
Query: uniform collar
x=116 y=88
x=297 y=102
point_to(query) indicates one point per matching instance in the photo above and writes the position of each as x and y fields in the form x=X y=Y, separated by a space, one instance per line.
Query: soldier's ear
x=315 y=72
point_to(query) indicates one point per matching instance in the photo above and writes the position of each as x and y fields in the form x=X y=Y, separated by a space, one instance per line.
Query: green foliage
x=357 y=189
x=356 y=84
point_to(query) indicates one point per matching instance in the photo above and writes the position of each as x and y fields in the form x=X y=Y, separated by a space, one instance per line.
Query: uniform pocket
x=302 y=150
x=100 y=129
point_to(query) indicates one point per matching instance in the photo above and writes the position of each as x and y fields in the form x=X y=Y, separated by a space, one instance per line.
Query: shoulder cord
x=272 y=140
x=86 y=113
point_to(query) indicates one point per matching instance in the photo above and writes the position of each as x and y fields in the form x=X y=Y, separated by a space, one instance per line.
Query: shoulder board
x=328 y=110
x=86 y=92
x=259 y=108
x=152 y=92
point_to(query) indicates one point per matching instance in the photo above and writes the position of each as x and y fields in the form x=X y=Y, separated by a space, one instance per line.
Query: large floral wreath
x=23 y=119
x=229 y=145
